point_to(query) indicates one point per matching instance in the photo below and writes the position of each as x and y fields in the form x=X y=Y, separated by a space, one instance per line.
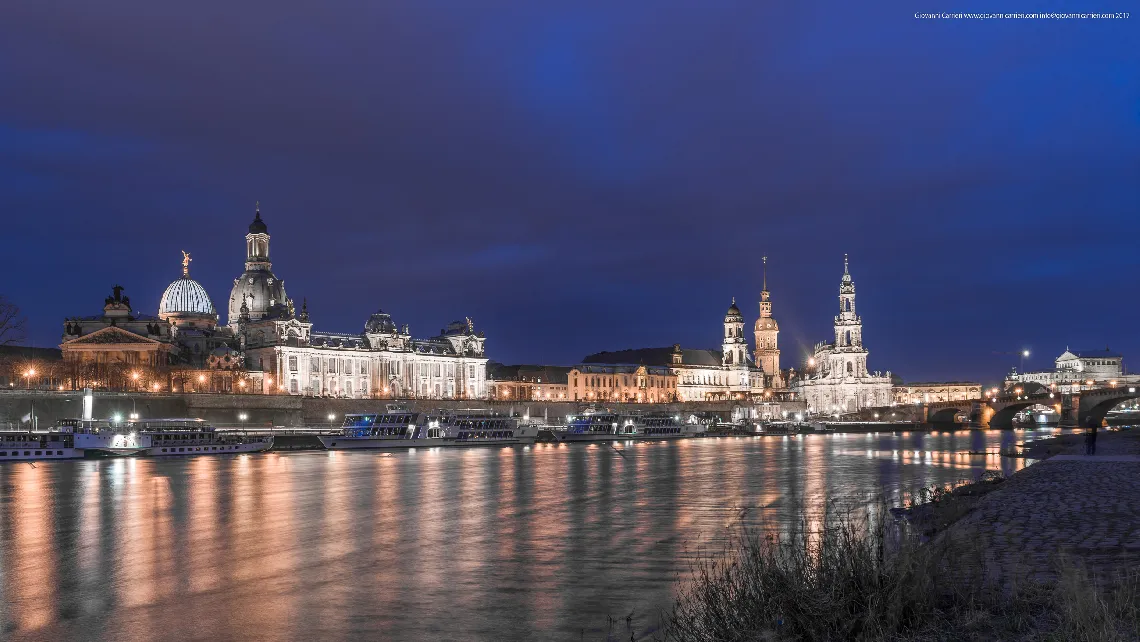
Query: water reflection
x=483 y=543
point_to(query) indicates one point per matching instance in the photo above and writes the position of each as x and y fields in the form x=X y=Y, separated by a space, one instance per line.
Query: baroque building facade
x=693 y=375
x=836 y=379
x=269 y=346
x=381 y=361
x=1073 y=371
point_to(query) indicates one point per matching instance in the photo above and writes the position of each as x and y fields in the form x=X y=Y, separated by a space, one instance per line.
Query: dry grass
x=861 y=577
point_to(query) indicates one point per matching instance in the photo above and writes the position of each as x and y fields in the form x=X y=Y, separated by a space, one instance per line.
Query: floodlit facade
x=1074 y=370
x=928 y=392
x=836 y=379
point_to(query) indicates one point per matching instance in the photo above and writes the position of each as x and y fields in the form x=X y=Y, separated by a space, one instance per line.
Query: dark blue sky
x=581 y=176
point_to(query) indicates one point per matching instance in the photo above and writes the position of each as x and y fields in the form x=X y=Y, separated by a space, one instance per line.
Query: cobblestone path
x=1087 y=509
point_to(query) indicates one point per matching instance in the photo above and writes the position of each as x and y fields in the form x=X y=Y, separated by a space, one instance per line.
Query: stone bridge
x=1075 y=409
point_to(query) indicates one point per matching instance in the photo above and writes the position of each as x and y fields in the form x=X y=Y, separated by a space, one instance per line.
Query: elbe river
x=519 y=543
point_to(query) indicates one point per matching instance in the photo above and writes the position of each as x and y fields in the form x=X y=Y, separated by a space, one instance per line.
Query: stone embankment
x=275 y=410
x=1083 y=509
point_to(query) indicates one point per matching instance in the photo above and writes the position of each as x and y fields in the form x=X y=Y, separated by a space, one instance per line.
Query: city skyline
x=573 y=192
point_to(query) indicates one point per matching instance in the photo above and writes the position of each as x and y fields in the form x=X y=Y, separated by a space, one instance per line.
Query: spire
x=765 y=269
x=186 y=264
x=846 y=272
x=258 y=226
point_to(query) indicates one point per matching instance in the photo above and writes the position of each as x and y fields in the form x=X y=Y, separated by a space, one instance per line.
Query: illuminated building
x=937 y=391
x=836 y=378
x=766 y=332
x=1074 y=370
x=696 y=375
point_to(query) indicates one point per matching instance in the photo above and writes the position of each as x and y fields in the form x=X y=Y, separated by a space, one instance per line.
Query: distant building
x=118 y=338
x=937 y=391
x=527 y=382
x=621 y=382
x=1073 y=370
x=694 y=375
x=836 y=378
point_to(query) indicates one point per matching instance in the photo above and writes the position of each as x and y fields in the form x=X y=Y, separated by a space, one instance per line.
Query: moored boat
x=610 y=426
x=79 y=438
x=401 y=428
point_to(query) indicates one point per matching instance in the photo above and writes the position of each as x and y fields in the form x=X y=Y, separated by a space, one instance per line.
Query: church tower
x=735 y=345
x=766 y=333
x=849 y=357
x=257 y=288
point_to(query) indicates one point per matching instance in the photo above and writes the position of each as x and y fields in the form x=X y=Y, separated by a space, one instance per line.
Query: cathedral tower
x=766 y=333
x=849 y=357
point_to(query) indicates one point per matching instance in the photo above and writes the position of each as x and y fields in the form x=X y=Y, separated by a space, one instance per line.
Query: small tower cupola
x=735 y=347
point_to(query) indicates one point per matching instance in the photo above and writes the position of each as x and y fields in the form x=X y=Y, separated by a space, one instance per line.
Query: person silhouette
x=1090 y=437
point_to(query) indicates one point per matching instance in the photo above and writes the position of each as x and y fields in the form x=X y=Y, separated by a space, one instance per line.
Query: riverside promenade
x=1086 y=509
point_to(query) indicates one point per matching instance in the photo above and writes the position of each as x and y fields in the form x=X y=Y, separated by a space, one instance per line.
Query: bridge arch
x=1096 y=408
x=1003 y=416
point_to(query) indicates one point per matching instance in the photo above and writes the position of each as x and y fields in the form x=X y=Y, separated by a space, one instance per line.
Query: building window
x=292 y=364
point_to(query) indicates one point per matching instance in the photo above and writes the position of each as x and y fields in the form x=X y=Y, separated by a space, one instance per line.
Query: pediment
x=111 y=335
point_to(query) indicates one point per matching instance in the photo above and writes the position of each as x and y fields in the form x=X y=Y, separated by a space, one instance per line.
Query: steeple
x=257 y=241
x=766 y=332
x=846 y=272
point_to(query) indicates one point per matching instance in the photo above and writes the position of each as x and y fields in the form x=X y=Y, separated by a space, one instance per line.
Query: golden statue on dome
x=186 y=264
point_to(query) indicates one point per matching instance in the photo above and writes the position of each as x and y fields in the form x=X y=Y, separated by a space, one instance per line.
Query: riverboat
x=401 y=428
x=172 y=437
x=79 y=438
x=611 y=426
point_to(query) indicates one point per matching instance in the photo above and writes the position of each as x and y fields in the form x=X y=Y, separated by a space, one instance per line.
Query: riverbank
x=1108 y=442
x=1052 y=552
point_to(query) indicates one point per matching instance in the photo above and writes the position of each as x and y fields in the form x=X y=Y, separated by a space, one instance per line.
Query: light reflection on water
x=481 y=543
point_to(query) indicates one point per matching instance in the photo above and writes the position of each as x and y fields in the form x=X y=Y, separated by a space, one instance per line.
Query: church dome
x=262 y=292
x=258 y=226
x=733 y=311
x=185 y=297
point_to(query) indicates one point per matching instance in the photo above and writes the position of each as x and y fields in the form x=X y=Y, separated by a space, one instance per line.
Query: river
x=522 y=543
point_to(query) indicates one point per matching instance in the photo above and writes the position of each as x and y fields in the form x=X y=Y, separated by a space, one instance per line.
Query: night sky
x=581 y=176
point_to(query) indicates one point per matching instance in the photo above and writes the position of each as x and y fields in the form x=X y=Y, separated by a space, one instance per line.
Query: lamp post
x=1024 y=354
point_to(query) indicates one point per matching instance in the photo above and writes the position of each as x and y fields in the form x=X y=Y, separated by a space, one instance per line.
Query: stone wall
x=279 y=410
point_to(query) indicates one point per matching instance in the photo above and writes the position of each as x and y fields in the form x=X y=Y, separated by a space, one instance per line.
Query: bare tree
x=11 y=323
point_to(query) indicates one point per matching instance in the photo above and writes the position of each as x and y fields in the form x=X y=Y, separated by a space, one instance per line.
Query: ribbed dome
x=185 y=296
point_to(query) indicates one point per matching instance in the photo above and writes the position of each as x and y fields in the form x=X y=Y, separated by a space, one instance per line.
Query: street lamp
x=31 y=372
x=1024 y=355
